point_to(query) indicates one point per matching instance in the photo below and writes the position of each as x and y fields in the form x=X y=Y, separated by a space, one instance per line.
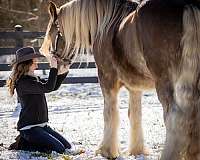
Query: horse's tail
x=187 y=82
x=189 y=68
x=191 y=41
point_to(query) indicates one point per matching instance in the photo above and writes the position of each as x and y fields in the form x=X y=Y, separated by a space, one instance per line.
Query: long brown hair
x=17 y=71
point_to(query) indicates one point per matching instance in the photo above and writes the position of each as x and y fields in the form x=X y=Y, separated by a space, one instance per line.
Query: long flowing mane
x=84 y=20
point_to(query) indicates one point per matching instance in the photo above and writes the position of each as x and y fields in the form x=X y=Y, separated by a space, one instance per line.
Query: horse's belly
x=135 y=81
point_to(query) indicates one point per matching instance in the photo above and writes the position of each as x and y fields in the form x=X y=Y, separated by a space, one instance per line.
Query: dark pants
x=45 y=139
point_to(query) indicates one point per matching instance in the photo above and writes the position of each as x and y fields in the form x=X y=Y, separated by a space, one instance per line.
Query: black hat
x=24 y=54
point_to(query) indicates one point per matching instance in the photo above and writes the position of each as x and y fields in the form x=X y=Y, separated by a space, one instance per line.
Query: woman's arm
x=63 y=70
x=60 y=79
x=32 y=86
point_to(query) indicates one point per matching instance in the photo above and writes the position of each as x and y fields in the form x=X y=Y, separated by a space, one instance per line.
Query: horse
x=154 y=44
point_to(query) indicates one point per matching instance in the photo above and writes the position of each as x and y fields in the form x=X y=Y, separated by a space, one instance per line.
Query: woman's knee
x=58 y=147
x=58 y=137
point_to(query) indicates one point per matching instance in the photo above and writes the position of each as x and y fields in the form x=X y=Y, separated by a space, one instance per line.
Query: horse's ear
x=53 y=10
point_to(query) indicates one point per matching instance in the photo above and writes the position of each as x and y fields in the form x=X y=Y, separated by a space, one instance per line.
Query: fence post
x=19 y=42
x=19 y=39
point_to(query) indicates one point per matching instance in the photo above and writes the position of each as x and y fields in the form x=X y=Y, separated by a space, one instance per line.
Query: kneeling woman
x=31 y=90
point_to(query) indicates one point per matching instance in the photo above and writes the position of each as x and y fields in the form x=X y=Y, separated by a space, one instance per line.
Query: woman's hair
x=17 y=71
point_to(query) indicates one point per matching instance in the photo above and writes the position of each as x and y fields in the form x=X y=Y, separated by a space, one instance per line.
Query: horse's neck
x=120 y=10
x=116 y=9
x=84 y=20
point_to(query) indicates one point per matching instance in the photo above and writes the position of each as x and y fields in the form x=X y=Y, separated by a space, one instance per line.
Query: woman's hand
x=63 y=68
x=52 y=61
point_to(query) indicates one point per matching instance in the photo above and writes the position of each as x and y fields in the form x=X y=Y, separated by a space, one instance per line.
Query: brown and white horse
x=156 y=45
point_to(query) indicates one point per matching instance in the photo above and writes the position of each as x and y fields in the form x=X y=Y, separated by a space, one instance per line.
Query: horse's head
x=54 y=41
x=77 y=25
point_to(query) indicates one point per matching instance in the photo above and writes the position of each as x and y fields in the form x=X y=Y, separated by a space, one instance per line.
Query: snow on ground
x=76 y=111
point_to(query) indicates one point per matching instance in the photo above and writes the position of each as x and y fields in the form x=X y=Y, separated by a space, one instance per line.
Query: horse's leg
x=172 y=146
x=136 y=145
x=109 y=146
x=182 y=137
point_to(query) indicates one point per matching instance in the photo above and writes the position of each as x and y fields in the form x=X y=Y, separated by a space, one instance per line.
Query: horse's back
x=177 y=3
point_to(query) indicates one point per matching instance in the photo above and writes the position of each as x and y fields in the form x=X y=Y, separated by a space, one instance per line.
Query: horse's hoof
x=105 y=152
x=125 y=153
x=137 y=151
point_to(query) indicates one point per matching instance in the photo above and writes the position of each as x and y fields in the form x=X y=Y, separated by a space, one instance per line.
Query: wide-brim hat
x=25 y=54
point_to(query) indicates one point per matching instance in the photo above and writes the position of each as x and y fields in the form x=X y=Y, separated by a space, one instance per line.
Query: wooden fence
x=19 y=35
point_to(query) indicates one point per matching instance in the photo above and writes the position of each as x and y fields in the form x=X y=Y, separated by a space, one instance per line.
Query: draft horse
x=156 y=45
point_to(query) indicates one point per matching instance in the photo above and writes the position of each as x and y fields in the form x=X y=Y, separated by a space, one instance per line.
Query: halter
x=57 y=39
x=58 y=36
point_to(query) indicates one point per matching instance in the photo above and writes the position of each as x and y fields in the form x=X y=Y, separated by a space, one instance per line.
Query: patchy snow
x=76 y=111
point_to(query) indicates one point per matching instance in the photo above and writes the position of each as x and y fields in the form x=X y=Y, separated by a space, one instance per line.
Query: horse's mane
x=84 y=20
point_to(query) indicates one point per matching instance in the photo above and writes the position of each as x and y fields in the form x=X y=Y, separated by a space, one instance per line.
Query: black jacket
x=31 y=93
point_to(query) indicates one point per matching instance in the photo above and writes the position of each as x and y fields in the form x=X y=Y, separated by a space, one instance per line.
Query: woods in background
x=31 y=14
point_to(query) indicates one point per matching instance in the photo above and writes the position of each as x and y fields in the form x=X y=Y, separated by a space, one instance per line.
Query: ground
x=76 y=111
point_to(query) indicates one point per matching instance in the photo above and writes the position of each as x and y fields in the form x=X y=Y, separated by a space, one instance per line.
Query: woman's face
x=34 y=65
